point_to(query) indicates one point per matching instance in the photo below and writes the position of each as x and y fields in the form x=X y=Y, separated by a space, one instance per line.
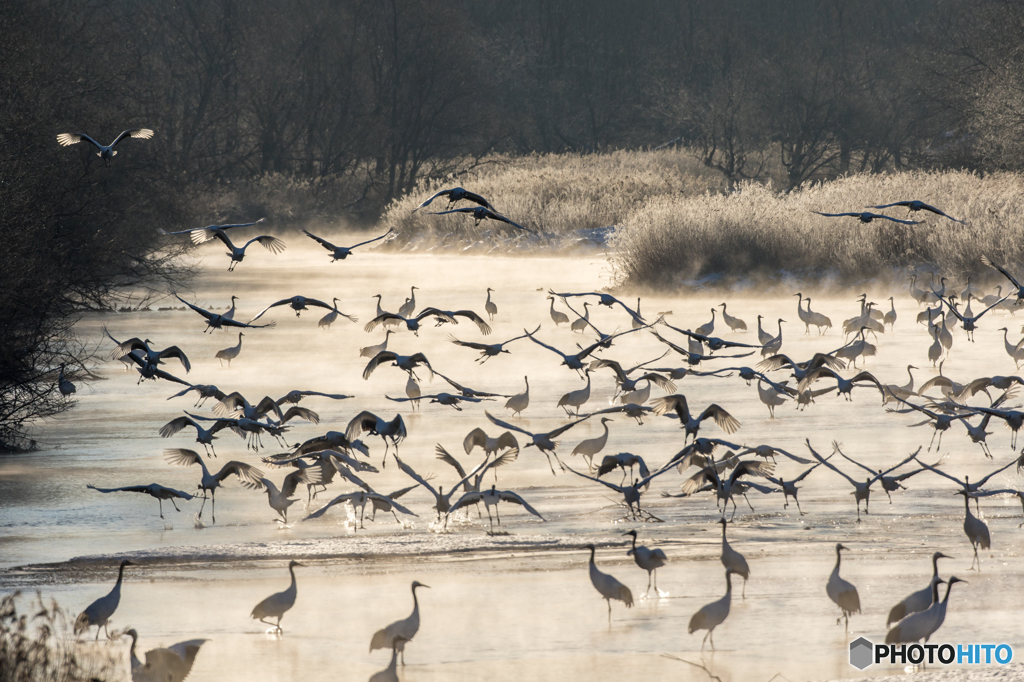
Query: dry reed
x=555 y=194
x=755 y=232
x=41 y=647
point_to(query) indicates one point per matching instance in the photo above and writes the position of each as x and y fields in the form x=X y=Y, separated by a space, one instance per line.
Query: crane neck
x=728 y=583
x=120 y=575
x=415 y=603
x=634 y=543
x=135 y=662
x=949 y=586
x=592 y=550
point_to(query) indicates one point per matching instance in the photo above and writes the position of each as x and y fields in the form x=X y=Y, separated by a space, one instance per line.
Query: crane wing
x=509 y=496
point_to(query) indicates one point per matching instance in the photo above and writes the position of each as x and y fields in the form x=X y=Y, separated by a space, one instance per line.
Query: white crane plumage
x=920 y=600
x=155 y=490
x=842 y=592
x=166 y=664
x=714 y=614
x=210 y=482
x=923 y=624
x=733 y=560
x=237 y=253
x=397 y=634
x=343 y=252
x=607 y=586
x=219 y=321
x=106 y=152
x=276 y=605
x=201 y=235
x=520 y=401
x=491 y=498
x=231 y=352
x=100 y=611
x=650 y=560
x=542 y=441
x=590 y=447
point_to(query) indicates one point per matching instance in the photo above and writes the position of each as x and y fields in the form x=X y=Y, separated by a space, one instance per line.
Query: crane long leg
x=161 y=503
x=213 y=504
x=497 y=512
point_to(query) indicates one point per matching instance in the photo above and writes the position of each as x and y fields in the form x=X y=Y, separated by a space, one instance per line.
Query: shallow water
x=516 y=606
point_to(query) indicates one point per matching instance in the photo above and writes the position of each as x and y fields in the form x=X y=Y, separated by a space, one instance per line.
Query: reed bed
x=553 y=194
x=40 y=647
x=673 y=242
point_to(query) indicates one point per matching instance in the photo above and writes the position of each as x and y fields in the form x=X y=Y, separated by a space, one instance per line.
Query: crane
x=106 y=152
x=590 y=447
x=277 y=604
x=201 y=235
x=842 y=592
x=406 y=362
x=677 y=403
x=454 y=196
x=343 y=252
x=867 y=217
x=920 y=600
x=608 y=587
x=397 y=634
x=714 y=614
x=100 y=611
x=489 y=350
x=650 y=560
x=392 y=432
x=156 y=490
x=166 y=664
x=733 y=560
x=913 y=206
x=924 y=624
x=210 y=482
x=480 y=213
x=219 y=321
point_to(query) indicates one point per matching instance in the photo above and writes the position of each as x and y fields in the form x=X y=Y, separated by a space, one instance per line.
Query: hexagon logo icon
x=861 y=650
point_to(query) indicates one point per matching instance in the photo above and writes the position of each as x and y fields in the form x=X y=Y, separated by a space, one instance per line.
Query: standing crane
x=650 y=560
x=608 y=586
x=278 y=603
x=100 y=611
x=714 y=614
x=842 y=592
x=397 y=634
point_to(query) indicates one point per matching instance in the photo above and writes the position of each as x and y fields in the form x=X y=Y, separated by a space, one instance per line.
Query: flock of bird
x=723 y=469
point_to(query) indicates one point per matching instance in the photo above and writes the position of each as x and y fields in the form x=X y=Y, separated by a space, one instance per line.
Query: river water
x=517 y=605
